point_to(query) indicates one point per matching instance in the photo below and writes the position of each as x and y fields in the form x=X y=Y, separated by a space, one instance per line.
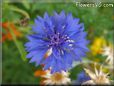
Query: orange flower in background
x=39 y=73
x=7 y=35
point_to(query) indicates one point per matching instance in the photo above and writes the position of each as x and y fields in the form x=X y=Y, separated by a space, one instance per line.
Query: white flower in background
x=108 y=51
x=56 y=78
x=97 y=77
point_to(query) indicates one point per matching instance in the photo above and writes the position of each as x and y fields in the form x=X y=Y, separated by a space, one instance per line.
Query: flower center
x=57 y=39
x=57 y=77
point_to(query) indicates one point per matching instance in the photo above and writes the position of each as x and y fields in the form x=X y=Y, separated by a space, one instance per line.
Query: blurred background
x=17 y=18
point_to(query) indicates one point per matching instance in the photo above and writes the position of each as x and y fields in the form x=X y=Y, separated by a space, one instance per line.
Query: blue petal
x=80 y=53
x=58 y=19
x=38 y=27
x=79 y=35
x=66 y=47
x=56 y=64
x=37 y=58
x=57 y=53
x=82 y=43
x=47 y=19
x=48 y=24
x=31 y=54
x=35 y=37
x=34 y=43
x=82 y=77
x=68 y=59
x=48 y=62
x=73 y=27
x=69 y=18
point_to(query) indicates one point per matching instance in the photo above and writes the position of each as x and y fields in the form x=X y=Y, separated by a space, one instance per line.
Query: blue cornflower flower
x=57 y=41
x=82 y=77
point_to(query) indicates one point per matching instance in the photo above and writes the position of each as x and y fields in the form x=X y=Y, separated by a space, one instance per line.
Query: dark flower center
x=57 y=39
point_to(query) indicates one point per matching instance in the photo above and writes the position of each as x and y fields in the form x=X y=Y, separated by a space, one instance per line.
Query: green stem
x=20 y=11
x=18 y=44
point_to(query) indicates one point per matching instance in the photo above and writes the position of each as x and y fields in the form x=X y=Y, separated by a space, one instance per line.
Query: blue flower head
x=82 y=77
x=56 y=41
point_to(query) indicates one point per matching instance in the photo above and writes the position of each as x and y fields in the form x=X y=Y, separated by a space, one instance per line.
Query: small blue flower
x=57 y=41
x=82 y=77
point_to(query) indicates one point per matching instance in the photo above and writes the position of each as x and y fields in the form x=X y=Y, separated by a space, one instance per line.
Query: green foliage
x=14 y=69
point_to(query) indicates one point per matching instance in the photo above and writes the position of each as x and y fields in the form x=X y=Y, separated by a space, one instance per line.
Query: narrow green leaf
x=14 y=8
x=26 y=4
x=19 y=45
